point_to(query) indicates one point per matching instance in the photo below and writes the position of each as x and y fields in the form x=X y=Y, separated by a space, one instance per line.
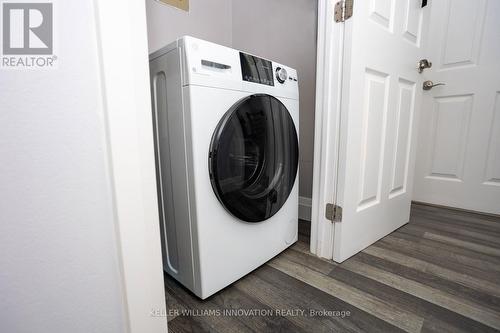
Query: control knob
x=281 y=74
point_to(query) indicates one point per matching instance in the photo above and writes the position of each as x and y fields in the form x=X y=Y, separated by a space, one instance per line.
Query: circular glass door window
x=253 y=158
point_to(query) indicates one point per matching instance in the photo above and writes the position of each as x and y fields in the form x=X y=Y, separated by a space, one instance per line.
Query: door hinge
x=333 y=212
x=343 y=10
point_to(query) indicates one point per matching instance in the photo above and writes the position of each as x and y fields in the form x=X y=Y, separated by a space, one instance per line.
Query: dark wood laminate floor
x=438 y=273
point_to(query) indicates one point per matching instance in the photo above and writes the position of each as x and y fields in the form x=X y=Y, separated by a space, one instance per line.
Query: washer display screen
x=257 y=70
x=253 y=158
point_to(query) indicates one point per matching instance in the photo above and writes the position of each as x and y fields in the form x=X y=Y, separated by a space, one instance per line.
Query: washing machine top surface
x=212 y=65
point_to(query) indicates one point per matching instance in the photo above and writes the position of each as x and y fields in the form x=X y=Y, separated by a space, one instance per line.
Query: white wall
x=59 y=266
x=281 y=30
x=206 y=19
x=285 y=31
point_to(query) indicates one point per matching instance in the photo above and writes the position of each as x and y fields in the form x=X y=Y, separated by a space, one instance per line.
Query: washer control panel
x=211 y=65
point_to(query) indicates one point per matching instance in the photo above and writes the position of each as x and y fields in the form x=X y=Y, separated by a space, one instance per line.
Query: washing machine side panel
x=172 y=177
x=229 y=248
x=192 y=188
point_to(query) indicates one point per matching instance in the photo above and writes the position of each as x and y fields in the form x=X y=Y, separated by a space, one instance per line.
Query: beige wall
x=281 y=30
x=206 y=19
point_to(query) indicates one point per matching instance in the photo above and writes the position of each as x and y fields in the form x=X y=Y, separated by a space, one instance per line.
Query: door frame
x=329 y=68
x=120 y=28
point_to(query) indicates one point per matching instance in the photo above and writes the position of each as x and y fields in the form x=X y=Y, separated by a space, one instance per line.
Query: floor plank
x=366 y=302
x=437 y=319
x=473 y=246
x=440 y=292
x=446 y=251
x=433 y=253
x=451 y=228
x=437 y=270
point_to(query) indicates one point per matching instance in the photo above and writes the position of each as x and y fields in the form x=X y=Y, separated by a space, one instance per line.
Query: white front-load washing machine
x=226 y=144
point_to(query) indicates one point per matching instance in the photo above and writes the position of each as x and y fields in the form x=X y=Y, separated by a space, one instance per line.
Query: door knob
x=423 y=64
x=428 y=85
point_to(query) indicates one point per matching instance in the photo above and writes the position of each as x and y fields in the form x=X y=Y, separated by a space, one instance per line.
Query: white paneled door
x=458 y=158
x=381 y=95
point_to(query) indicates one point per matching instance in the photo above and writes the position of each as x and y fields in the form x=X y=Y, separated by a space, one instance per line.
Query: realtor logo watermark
x=27 y=35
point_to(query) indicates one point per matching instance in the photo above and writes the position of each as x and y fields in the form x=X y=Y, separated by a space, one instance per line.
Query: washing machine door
x=253 y=158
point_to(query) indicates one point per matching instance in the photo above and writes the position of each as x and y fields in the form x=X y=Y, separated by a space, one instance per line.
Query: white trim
x=327 y=121
x=305 y=208
x=123 y=57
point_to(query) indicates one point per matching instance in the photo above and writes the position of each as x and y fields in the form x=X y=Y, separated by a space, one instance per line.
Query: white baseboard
x=305 y=208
